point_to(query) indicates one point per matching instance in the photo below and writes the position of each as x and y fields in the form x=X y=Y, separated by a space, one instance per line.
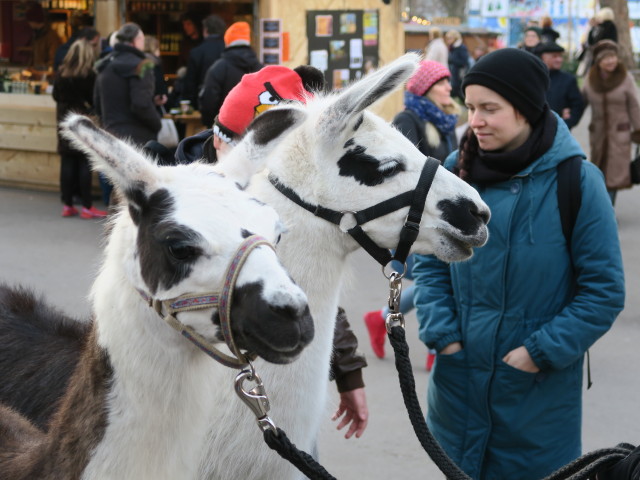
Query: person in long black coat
x=604 y=29
x=124 y=91
x=237 y=59
x=203 y=56
x=73 y=92
x=563 y=96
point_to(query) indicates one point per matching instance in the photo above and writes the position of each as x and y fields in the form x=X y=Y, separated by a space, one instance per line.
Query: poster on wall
x=343 y=44
x=271 y=41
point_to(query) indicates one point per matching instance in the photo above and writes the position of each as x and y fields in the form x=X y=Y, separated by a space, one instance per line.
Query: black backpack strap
x=569 y=201
x=569 y=195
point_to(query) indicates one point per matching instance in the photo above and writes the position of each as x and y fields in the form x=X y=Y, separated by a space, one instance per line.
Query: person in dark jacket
x=191 y=36
x=604 y=28
x=73 y=92
x=237 y=59
x=547 y=32
x=256 y=93
x=512 y=324
x=45 y=40
x=458 y=60
x=563 y=96
x=203 y=56
x=124 y=91
x=531 y=39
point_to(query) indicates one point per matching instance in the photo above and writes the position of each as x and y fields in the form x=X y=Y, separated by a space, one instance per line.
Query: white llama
x=345 y=159
x=139 y=403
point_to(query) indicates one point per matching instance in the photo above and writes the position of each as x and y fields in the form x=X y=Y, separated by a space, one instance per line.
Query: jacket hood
x=197 y=147
x=242 y=57
x=124 y=58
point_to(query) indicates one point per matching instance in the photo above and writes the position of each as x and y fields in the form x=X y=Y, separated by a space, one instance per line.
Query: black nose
x=463 y=214
x=483 y=216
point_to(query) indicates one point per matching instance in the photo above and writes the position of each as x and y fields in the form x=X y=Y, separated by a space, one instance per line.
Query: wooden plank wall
x=28 y=141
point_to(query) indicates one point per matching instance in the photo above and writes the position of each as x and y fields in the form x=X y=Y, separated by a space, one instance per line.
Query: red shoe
x=431 y=357
x=68 y=211
x=92 y=212
x=377 y=331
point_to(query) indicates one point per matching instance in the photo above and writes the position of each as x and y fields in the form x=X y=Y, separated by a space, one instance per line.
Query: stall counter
x=28 y=157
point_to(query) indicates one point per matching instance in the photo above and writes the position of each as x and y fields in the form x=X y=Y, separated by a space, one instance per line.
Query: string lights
x=418 y=20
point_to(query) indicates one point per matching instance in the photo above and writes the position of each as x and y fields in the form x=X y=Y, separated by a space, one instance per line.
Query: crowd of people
x=506 y=360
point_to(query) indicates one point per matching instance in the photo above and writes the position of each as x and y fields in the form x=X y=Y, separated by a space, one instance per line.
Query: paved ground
x=59 y=257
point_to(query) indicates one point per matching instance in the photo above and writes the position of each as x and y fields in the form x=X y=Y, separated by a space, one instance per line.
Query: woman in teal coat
x=512 y=324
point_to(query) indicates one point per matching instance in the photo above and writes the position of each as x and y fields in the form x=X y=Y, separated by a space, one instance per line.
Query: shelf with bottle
x=67 y=4
x=170 y=43
x=156 y=6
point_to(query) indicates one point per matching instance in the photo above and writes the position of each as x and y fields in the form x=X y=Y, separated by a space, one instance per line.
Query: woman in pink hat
x=429 y=120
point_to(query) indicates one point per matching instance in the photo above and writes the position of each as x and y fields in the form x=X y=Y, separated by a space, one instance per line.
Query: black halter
x=415 y=199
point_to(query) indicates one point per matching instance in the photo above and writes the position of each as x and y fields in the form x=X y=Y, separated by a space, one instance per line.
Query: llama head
x=357 y=160
x=177 y=232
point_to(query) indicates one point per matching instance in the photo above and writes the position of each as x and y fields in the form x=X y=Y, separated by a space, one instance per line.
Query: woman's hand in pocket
x=451 y=348
x=519 y=358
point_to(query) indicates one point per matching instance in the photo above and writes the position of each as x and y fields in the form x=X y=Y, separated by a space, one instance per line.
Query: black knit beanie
x=517 y=75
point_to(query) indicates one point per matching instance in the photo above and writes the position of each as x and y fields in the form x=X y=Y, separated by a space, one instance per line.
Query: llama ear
x=127 y=168
x=263 y=135
x=349 y=103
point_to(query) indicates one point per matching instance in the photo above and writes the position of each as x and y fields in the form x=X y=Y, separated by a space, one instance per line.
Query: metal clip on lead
x=394 y=317
x=256 y=398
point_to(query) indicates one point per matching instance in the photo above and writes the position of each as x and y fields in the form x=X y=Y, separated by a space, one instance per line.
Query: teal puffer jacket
x=497 y=422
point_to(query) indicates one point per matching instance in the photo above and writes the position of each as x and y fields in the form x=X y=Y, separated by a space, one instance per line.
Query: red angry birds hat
x=256 y=93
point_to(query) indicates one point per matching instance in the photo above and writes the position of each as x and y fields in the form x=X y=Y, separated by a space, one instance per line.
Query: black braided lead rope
x=299 y=459
x=582 y=468
x=408 y=388
x=591 y=463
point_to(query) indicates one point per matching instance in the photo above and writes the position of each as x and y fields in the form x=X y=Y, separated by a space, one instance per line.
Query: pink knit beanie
x=429 y=73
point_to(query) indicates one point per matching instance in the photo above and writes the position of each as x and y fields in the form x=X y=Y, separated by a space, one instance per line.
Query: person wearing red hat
x=256 y=93
x=429 y=121
x=237 y=59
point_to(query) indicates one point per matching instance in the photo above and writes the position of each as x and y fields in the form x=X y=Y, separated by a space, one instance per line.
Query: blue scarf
x=429 y=112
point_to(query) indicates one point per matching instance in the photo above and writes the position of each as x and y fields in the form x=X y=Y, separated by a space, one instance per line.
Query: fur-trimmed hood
x=604 y=85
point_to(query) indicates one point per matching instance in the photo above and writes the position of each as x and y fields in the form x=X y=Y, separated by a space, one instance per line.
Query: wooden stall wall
x=294 y=22
x=28 y=141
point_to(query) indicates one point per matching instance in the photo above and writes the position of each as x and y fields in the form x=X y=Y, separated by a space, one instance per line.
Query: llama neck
x=159 y=398
x=79 y=424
